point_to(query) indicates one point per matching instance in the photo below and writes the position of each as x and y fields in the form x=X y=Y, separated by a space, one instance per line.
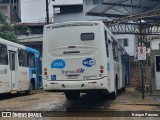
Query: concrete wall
x=5 y=8
x=155 y=44
x=78 y=16
x=131 y=48
x=133 y=75
x=11 y=14
x=153 y=53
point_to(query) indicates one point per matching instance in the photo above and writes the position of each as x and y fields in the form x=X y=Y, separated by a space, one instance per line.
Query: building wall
x=11 y=10
x=134 y=76
x=131 y=48
x=78 y=16
x=14 y=3
x=153 y=78
x=6 y=10
x=155 y=44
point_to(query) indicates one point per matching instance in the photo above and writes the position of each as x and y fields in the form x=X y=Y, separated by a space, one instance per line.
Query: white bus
x=18 y=68
x=82 y=56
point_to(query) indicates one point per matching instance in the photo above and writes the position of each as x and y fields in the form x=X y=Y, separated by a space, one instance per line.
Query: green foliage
x=3 y=18
x=22 y=30
x=7 y=27
x=9 y=36
x=7 y=31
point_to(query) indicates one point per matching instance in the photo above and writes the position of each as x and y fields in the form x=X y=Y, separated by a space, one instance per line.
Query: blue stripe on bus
x=36 y=68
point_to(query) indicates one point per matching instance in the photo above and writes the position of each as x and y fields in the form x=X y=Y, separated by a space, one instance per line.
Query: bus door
x=12 y=61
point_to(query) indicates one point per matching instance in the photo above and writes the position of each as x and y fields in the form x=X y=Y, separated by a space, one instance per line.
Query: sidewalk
x=131 y=100
x=136 y=97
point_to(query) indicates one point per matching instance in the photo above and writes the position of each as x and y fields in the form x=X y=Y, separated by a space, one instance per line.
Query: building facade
x=128 y=41
x=33 y=37
x=75 y=11
x=11 y=9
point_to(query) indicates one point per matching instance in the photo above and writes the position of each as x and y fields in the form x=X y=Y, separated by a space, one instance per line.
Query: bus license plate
x=72 y=76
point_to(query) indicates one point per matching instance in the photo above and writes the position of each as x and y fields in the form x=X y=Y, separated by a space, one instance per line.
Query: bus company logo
x=89 y=62
x=78 y=71
x=4 y=71
x=59 y=64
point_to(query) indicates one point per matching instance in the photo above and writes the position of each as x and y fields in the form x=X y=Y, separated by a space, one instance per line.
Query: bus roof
x=9 y=43
x=32 y=50
x=72 y=23
x=6 y=42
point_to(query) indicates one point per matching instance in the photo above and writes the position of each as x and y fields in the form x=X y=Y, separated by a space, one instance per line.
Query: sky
x=35 y=10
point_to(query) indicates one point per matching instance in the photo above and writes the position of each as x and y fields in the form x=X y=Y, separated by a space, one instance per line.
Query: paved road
x=50 y=101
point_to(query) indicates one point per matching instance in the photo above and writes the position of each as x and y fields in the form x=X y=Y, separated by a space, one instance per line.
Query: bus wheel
x=113 y=95
x=72 y=95
x=30 y=90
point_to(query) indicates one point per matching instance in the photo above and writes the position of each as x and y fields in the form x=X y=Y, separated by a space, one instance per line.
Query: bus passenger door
x=12 y=60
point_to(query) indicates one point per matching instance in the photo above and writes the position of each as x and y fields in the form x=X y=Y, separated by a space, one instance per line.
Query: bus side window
x=115 y=51
x=106 y=41
x=22 y=55
x=3 y=55
x=31 y=59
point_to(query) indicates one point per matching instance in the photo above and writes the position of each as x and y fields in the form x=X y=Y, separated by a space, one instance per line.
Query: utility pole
x=47 y=12
x=142 y=66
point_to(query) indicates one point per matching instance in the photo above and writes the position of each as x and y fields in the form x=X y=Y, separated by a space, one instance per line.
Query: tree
x=3 y=18
x=7 y=31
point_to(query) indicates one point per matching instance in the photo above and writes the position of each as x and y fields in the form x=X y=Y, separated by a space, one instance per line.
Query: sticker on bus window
x=89 y=62
x=53 y=77
x=3 y=71
x=59 y=64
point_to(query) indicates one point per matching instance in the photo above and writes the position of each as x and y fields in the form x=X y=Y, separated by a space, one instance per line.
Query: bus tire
x=72 y=95
x=125 y=84
x=30 y=90
x=113 y=95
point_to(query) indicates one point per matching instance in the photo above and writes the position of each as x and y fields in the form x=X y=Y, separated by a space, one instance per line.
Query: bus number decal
x=59 y=64
x=89 y=62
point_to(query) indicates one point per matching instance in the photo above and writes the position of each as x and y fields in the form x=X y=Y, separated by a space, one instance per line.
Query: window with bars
x=123 y=42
